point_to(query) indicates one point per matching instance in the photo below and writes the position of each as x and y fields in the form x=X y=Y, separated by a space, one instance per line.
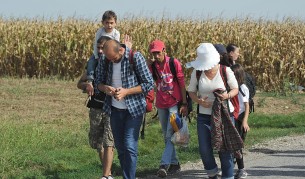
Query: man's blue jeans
x=206 y=151
x=169 y=154
x=125 y=131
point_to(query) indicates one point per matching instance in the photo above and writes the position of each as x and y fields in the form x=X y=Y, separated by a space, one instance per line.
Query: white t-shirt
x=207 y=86
x=116 y=83
x=101 y=32
x=243 y=99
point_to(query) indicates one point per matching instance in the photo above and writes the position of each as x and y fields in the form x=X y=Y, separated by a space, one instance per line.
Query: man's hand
x=90 y=89
x=109 y=90
x=183 y=110
x=120 y=93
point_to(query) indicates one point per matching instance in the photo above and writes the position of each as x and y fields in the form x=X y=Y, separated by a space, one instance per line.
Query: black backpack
x=250 y=83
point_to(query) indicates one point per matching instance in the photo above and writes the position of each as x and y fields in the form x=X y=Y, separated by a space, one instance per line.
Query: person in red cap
x=170 y=91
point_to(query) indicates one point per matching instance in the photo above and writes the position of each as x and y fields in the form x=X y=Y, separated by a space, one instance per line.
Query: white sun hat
x=207 y=57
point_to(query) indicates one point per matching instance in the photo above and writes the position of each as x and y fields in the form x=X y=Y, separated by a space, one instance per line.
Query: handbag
x=96 y=101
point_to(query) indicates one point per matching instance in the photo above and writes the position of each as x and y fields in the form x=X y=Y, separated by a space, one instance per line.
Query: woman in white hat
x=202 y=90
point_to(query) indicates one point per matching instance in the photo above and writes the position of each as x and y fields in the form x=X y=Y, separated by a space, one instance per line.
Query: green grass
x=264 y=127
x=44 y=128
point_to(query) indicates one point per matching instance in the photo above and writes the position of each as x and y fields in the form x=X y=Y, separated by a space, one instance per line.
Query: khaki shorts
x=100 y=134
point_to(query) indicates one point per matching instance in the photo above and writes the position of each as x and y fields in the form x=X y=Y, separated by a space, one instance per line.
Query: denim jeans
x=206 y=151
x=169 y=155
x=125 y=131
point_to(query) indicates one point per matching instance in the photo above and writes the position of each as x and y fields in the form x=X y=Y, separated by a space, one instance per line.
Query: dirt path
x=276 y=159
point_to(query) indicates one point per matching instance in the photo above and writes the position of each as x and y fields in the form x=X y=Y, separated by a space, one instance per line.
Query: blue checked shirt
x=139 y=74
x=98 y=73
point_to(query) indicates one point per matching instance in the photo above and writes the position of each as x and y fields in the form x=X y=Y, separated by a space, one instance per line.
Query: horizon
x=277 y=10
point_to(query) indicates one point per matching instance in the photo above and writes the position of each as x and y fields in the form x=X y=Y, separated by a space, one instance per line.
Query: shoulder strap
x=241 y=91
x=198 y=75
x=154 y=72
x=106 y=68
x=172 y=67
x=223 y=74
x=131 y=64
x=131 y=60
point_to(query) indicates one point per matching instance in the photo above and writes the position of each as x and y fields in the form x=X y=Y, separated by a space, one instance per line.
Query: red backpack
x=150 y=97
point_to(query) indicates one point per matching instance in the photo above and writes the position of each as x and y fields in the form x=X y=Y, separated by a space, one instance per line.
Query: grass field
x=44 y=126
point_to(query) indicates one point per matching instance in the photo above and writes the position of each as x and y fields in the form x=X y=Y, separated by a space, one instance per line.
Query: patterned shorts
x=100 y=134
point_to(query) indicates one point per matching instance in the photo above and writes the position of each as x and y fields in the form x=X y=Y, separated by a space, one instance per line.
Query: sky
x=93 y=9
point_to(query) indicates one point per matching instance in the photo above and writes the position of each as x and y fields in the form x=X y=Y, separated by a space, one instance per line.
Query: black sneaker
x=162 y=172
x=214 y=177
x=174 y=168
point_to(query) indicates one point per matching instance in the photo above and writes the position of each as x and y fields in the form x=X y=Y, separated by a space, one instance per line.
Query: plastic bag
x=182 y=136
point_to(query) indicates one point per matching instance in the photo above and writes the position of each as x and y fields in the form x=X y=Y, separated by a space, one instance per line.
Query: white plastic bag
x=182 y=137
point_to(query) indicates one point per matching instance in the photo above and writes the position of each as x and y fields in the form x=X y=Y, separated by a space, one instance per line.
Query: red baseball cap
x=156 y=46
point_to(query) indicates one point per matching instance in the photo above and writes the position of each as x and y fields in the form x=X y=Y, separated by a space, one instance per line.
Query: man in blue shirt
x=126 y=86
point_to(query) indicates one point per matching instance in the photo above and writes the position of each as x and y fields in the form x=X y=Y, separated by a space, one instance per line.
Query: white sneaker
x=241 y=173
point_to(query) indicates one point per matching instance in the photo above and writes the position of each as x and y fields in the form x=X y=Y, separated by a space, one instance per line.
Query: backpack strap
x=241 y=91
x=106 y=68
x=131 y=54
x=172 y=67
x=154 y=72
x=131 y=64
x=198 y=75
x=174 y=73
x=223 y=74
x=131 y=60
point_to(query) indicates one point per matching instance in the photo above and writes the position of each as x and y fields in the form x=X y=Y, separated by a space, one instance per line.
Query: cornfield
x=272 y=51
